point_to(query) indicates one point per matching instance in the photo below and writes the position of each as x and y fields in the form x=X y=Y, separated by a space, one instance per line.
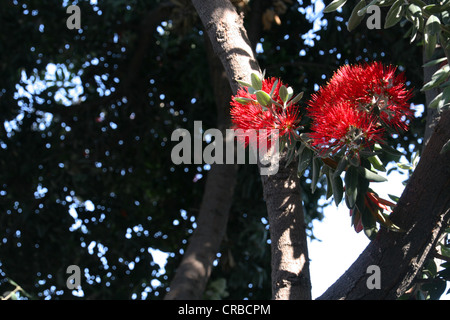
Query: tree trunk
x=423 y=211
x=290 y=274
x=290 y=263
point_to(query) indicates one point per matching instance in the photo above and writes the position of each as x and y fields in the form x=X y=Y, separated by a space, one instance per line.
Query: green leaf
x=433 y=24
x=283 y=93
x=394 y=198
x=431 y=268
x=431 y=30
x=351 y=186
x=369 y=223
x=394 y=14
x=291 y=151
x=445 y=251
x=290 y=92
x=304 y=161
x=355 y=19
x=342 y=165
x=356 y=217
x=256 y=82
x=429 y=43
x=316 y=165
x=273 y=88
x=388 y=149
x=414 y=14
x=334 y=5
x=243 y=83
x=363 y=10
x=263 y=98
x=338 y=189
x=297 y=98
x=328 y=173
x=376 y=163
x=437 y=78
x=434 y=62
x=432 y=8
x=414 y=11
x=370 y=175
x=404 y=166
x=354 y=159
x=437 y=102
x=244 y=100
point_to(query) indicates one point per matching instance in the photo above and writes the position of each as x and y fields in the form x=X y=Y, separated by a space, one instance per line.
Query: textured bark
x=423 y=211
x=229 y=39
x=290 y=263
x=290 y=274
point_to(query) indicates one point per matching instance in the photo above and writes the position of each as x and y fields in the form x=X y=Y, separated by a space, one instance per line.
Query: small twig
x=441 y=257
x=18 y=288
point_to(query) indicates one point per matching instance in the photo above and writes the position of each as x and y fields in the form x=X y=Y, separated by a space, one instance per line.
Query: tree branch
x=195 y=268
x=423 y=211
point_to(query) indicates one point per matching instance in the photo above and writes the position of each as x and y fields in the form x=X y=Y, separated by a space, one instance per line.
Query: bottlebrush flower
x=387 y=92
x=248 y=114
x=375 y=94
x=344 y=126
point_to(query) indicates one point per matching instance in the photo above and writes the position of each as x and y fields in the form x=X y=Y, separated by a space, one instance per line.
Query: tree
x=223 y=33
x=130 y=59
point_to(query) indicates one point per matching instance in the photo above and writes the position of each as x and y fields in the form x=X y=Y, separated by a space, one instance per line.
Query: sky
x=339 y=244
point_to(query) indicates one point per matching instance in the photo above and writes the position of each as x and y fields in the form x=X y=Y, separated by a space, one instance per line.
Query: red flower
x=372 y=88
x=387 y=92
x=344 y=126
x=250 y=115
x=367 y=97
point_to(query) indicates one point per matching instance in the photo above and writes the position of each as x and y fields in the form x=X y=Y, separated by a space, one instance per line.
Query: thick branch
x=228 y=36
x=194 y=270
x=423 y=211
x=290 y=263
x=289 y=259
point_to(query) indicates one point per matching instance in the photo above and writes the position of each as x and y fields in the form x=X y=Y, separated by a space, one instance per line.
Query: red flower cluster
x=250 y=115
x=356 y=107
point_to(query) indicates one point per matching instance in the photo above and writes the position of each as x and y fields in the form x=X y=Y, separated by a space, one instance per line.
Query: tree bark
x=423 y=211
x=290 y=263
x=290 y=274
